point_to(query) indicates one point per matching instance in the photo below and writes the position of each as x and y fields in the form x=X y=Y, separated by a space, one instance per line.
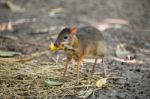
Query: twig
x=82 y=86
x=23 y=20
x=129 y=61
x=46 y=30
x=23 y=59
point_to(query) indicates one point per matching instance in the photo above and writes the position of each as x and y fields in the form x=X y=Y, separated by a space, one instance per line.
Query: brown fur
x=88 y=43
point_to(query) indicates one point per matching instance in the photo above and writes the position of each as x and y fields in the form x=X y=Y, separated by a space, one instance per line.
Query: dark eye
x=65 y=37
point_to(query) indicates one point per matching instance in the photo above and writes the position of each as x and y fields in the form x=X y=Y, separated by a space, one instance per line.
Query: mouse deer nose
x=56 y=43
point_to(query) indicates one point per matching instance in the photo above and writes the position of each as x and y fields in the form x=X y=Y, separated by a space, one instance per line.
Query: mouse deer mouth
x=64 y=43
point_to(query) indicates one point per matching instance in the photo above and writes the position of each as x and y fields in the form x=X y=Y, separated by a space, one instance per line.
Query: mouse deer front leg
x=78 y=70
x=66 y=65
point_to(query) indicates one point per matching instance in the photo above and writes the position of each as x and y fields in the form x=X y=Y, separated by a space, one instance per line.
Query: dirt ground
x=53 y=15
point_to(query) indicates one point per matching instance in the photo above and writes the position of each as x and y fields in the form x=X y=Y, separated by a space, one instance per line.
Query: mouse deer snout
x=56 y=43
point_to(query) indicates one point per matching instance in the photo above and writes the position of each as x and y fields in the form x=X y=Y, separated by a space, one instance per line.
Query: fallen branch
x=25 y=58
x=134 y=61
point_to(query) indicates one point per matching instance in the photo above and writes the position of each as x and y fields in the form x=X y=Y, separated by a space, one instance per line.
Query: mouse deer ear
x=73 y=30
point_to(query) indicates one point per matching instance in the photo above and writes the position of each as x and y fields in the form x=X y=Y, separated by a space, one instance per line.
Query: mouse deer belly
x=101 y=49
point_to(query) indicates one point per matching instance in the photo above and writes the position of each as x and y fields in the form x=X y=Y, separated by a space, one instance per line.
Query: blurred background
x=35 y=21
x=28 y=26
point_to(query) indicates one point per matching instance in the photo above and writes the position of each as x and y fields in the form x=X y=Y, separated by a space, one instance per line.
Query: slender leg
x=93 y=69
x=66 y=66
x=78 y=70
x=104 y=68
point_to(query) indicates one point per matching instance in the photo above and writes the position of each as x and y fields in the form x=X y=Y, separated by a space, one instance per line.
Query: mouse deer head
x=65 y=37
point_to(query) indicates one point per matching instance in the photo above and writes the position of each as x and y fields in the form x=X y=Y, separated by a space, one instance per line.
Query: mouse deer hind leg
x=104 y=67
x=79 y=62
x=94 y=65
x=103 y=64
x=78 y=71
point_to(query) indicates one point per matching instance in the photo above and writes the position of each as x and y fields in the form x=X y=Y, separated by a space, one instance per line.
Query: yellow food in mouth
x=52 y=47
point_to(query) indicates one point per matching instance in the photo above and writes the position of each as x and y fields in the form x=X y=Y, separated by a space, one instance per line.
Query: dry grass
x=26 y=80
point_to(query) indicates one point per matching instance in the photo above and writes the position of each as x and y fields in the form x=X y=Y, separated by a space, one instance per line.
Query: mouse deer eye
x=65 y=37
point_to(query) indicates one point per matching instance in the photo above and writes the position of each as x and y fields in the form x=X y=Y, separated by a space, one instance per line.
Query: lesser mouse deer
x=85 y=41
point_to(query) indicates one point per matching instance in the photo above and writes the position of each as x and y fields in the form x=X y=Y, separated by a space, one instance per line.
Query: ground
x=131 y=22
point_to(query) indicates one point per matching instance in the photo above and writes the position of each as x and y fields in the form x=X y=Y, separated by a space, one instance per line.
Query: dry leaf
x=101 y=82
x=55 y=11
x=15 y=8
x=8 y=53
x=53 y=82
x=85 y=94
x=54 y=48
